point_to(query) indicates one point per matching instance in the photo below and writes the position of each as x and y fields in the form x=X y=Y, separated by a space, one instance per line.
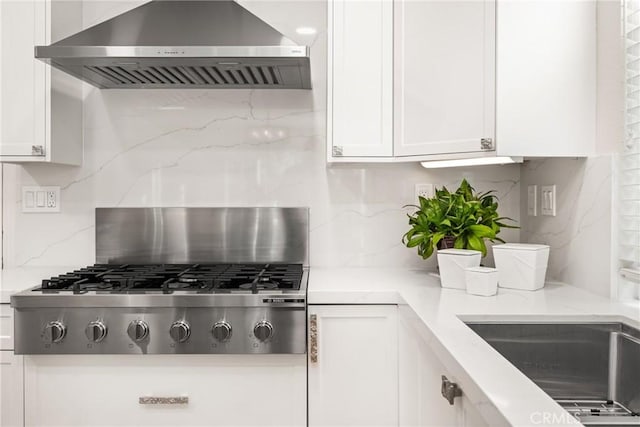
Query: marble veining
x=580 y=235
x=230 y=148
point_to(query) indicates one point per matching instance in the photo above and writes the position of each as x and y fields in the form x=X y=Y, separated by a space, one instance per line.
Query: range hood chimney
x=177 y=44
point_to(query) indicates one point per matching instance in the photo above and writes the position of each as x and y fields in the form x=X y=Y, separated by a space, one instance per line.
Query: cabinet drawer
x=166 y=390
x=6 y=327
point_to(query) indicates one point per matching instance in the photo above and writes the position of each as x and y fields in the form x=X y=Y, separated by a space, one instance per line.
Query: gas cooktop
x=150 y=294
x=167 y=278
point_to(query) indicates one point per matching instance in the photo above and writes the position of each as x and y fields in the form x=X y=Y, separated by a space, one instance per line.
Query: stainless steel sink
x=591 y=369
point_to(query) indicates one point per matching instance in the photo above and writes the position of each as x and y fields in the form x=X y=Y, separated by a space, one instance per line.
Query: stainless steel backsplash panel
x=202 y=235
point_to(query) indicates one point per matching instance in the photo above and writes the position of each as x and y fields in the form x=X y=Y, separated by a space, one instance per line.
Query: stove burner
x=167 y=278
x=261 y=286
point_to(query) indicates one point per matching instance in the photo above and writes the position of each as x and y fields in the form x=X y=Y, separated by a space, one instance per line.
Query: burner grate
x=167 y=278
x=261 y=277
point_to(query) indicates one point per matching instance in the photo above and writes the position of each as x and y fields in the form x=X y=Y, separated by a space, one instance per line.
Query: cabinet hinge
x=486 y=144
x=337 y=151
x=37 y=150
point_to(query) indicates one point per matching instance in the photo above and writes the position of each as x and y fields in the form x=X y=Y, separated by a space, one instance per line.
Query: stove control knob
x=263 y=330
x=221 y=331
x=180 y=331
x=54 y=332
x=96 y=331
x=138 y=330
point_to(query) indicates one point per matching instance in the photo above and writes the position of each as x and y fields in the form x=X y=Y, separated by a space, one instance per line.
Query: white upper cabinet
x=22 y=78
x=40 y=108
x=444 y=77
x=360 y=79
x=468 y=79
x=546 y=91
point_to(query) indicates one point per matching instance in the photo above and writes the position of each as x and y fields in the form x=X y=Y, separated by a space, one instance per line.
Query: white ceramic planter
x=482 y=281
x=521 y=265
x=452 y=264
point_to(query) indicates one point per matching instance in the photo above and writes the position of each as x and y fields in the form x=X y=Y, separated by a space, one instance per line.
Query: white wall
x=580 y=234
x=229 y=148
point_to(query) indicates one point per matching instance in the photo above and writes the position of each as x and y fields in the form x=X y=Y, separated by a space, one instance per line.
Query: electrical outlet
x=424 y=190
x=52 y=199
x=548 y=199
x=40 y=199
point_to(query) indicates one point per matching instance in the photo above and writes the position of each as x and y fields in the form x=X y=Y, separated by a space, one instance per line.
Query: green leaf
x=415 y=241
x=482 y=231
x=428 y=252
x=477 y=244
x=437 y=237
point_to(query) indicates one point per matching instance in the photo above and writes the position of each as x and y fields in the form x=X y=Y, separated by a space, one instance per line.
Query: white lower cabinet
x=353 y=365
x=6 y=327
x=420 y=381
x=11 y=389
x=11 y=374
x=222 y=390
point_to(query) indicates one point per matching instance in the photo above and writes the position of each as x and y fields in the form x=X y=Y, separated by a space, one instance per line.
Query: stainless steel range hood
x=163 y=44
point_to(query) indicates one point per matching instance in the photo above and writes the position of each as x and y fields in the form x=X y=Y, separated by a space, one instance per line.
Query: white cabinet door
x=11 y=389
x=360 y=79
x=222 y=390
x=22 y=78
x=353 y=365
x=40 y=107
x=444 y=76
x=546 y=89
x=420 y=380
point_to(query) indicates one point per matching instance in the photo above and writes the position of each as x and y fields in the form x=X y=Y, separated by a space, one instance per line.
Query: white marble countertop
x=502 y=394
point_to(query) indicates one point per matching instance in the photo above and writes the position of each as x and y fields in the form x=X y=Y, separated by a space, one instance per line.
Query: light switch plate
x=548 y=200
x=40 y=199
x=532 y=200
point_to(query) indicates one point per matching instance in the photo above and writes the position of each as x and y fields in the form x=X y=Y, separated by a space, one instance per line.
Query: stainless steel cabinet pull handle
x=313 y=338
x=450 y=390
x=150 y=400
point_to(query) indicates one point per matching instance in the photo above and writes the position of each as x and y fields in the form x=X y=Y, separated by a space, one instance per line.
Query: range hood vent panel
x=182 y=44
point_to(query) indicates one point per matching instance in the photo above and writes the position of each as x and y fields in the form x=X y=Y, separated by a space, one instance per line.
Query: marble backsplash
x=230 y=148
x=580 y=234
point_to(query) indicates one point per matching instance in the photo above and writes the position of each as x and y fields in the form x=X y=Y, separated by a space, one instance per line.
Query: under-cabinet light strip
x=479 y=161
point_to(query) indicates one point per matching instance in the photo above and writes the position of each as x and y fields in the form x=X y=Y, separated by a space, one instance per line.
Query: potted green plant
x=462 y=219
